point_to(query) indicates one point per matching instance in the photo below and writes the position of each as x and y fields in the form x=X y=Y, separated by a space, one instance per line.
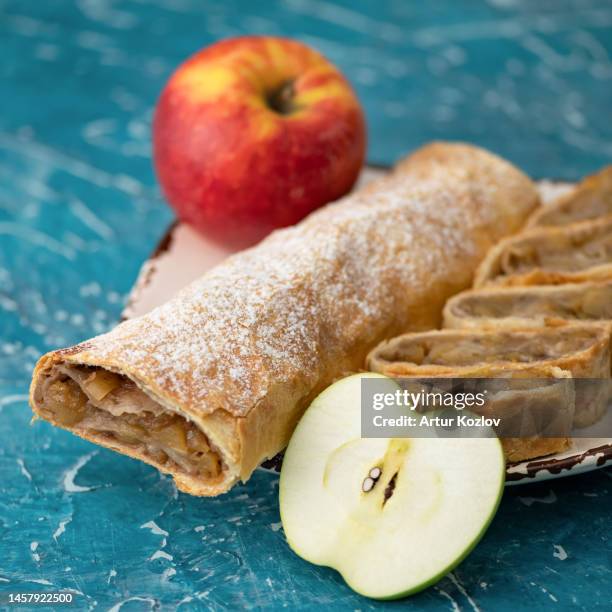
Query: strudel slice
x=533 y=306
x=577 y=350
x=591 y=199
x=547 y=256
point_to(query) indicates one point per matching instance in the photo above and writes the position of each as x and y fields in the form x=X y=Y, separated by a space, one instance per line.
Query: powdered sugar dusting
x=292 y=310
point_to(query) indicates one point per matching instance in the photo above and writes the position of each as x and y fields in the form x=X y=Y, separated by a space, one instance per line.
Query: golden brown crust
x=242 y=351
x=550 y=256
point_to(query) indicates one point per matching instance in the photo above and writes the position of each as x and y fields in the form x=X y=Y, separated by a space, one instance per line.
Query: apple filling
x=113 y=410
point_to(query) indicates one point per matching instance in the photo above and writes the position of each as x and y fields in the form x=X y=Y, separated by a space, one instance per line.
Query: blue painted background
x=80 y=211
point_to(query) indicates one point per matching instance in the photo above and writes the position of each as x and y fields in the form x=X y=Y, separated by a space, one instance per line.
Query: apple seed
x=368 y=485
x=371 y=480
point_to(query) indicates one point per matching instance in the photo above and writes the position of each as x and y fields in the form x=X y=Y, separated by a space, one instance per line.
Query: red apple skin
x=234 y=167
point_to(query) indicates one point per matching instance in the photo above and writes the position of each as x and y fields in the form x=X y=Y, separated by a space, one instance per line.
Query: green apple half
x=393 y=516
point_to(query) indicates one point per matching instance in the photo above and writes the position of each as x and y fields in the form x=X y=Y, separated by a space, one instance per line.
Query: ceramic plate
x=182 y=255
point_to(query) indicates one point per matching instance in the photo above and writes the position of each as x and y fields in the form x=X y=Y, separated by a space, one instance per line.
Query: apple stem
x=281 y=99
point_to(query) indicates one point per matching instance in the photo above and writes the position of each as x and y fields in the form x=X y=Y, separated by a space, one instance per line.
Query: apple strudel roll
x=591 y=199
x=213 y=382
x=547 y=256
x=533 y=306
x=581 y=351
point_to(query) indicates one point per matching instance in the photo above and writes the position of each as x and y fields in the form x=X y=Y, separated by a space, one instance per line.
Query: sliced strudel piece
x=591 y=199
x=533 y=306
x=580 y=350
x=548 y=256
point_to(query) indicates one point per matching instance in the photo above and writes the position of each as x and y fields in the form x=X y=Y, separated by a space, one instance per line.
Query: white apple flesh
x=393 y=516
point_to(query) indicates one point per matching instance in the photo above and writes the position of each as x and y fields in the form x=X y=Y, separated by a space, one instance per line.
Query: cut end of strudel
x=212 y=383
x=120 y=413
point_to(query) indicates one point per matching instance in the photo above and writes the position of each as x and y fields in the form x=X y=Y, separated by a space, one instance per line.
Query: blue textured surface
x=80 y=211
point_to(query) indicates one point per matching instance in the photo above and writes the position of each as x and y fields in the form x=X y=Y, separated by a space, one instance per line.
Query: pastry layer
x=533 y=306
x=577 y=350
x=543 y=256
x=591 y=199
x=241 y=352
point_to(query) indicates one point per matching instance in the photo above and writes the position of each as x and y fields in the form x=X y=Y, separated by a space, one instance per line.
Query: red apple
x=253 y=133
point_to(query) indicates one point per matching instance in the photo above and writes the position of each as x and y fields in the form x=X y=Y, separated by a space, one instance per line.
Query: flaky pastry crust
x=239 y=354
